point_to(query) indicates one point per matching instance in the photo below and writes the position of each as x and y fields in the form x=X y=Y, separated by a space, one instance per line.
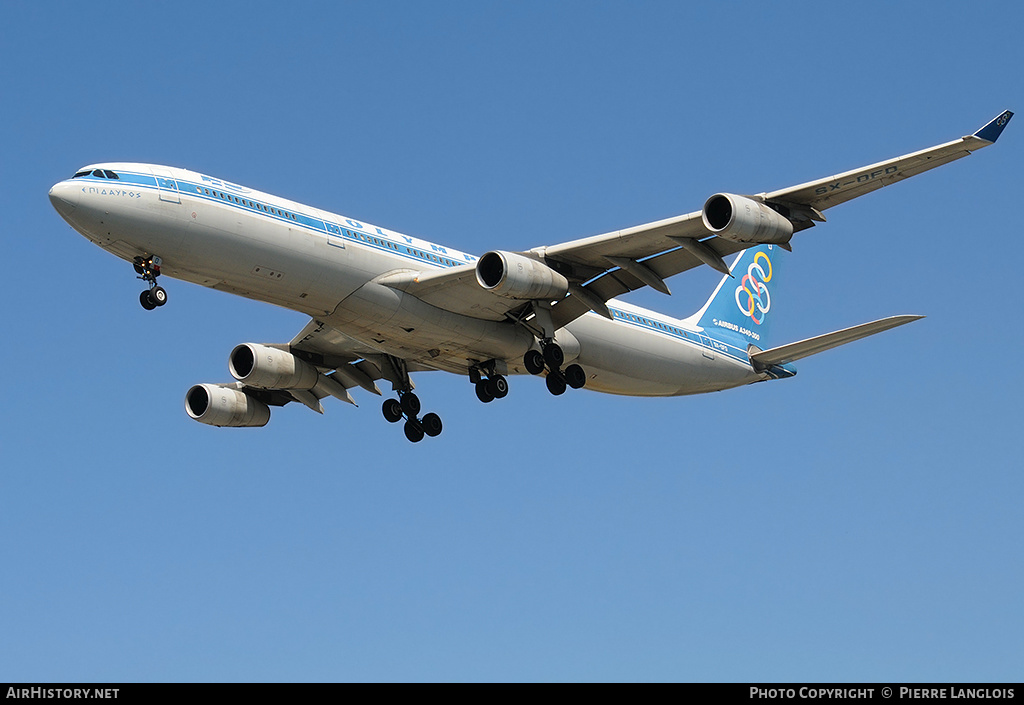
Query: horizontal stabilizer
x=795 y=351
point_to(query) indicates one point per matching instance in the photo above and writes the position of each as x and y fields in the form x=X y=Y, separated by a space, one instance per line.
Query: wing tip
x=990 y=132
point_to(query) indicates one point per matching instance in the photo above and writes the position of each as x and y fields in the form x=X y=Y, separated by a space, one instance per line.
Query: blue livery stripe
x=693 y=338
x=336 y=234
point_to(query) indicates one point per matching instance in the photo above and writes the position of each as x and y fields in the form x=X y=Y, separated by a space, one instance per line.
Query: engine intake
x=517 y=277
x=215 y=405
x=264 y=367
x=744 y=220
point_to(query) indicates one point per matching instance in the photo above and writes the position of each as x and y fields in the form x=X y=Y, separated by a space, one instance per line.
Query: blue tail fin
x=743 y=305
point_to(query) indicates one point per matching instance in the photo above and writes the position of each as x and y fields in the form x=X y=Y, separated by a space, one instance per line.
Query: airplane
x=383 y=305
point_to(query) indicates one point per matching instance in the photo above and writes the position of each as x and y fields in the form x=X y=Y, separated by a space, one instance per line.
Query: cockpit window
x=101 y=173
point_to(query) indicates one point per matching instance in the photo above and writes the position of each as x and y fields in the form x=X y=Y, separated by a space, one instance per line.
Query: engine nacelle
x=264 y=367
x=743 y=220
x=516 y=277
x=223 y=406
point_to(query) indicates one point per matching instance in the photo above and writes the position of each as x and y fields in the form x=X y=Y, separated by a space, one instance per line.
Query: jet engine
x=223 y=406
x=744 y=220
x=517 y=277
x=265 y=367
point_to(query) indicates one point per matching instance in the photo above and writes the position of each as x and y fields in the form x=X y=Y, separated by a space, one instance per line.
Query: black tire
x=410 y=404
x=575 y=377
x=159 y=295
x=483 y=391
x=556 y=383
x=392 y=410
x=534 y=362
x=146 y=299
x=554 y=356
x=431 y=424
x=497 y=386
x=413 y=431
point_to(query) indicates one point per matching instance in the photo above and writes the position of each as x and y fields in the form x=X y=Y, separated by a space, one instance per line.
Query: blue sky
x=858 y=522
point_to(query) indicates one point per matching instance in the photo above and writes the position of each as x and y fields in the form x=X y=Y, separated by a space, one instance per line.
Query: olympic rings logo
x=752 y=297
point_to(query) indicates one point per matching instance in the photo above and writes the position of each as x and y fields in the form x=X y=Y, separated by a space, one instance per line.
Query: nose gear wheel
x=148 y=270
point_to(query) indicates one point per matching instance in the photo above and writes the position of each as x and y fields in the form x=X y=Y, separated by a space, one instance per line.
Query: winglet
x=991 y=131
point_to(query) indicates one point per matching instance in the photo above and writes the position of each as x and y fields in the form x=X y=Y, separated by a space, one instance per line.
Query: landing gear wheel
x=575 y=377
x=413 y=431
x=158 y=295
x=411 y=406
x=553 y=355
x=497 y=386
x=146 y=299
x=534 y=362
x=392 y=410
x=483 y=391
x=556 y=383
x=431 y=424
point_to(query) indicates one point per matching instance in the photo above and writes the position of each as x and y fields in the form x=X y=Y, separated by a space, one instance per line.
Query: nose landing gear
x=148 y=270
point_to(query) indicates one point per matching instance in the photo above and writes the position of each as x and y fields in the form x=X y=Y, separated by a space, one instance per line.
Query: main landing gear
x=407 y=406
x=148 y=270
x=551 y=357
x=489 y=383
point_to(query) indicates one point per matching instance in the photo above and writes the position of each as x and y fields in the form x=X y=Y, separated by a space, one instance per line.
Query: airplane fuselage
x=231 y=238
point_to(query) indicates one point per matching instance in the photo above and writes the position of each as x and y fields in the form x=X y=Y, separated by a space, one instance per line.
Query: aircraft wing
x=604 y=266
x=833 y=190
x=455 y=289
x=646 y=255
x=347 y=361
x=340 y=362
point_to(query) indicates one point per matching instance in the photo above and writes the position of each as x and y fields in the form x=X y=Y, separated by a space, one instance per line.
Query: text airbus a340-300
x=383 y=305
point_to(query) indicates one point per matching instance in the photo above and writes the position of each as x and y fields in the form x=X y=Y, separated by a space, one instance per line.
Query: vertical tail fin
x=743 y=305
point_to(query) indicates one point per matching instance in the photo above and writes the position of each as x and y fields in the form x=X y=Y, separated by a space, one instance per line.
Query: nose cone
x=64 y=197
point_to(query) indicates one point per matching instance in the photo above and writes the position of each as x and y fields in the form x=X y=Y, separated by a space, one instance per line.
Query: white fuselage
x=235 y=239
